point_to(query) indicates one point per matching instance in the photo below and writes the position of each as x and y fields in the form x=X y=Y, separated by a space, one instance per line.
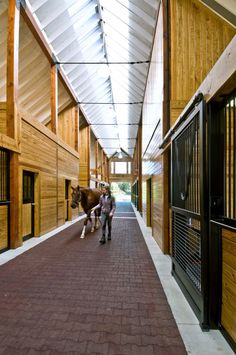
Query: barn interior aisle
x=74 y=296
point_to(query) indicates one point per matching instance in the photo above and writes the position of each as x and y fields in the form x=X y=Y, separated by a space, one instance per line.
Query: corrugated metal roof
x=87 y=33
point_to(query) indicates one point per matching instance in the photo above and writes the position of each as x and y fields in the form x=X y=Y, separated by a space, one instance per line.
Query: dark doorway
x=28 y=205
x=4 y=200
x=67 y=187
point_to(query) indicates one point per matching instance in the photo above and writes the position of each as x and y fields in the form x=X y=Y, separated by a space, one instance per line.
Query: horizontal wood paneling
x=120 y=177
x=4 y=227
x=68 y=169
x=228 y=309
x=37 y=150
x=53 y=164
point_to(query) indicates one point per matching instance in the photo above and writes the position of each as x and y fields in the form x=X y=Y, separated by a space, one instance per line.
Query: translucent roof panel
x=104 y=49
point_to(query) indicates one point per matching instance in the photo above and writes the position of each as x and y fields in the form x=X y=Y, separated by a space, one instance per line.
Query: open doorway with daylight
x=120 y=178
x=121 y=191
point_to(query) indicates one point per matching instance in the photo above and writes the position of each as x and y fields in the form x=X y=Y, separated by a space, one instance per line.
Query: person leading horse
x=88 y=198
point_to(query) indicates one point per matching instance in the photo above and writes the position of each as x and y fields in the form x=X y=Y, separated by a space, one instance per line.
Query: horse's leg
x=84 y=228
x=96 y=219
x=91 y=221
x=92 y=226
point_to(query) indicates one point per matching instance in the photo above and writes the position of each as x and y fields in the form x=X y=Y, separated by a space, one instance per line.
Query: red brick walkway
x=74 y=296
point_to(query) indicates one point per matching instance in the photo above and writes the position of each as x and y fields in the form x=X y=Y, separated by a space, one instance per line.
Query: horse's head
x=76 y=197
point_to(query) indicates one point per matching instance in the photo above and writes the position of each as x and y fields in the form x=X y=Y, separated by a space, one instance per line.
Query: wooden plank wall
x=68 y=168
x=3 y=46
x=52 y=164
x=228 y=307
x=4 y=227
x=120 y=178
x=66 y=126
x=3 y=117
x=198 y=38
x=84 y=149
x=152 y=164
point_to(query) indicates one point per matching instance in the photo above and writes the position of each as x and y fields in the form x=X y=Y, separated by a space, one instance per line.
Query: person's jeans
x=106 y=220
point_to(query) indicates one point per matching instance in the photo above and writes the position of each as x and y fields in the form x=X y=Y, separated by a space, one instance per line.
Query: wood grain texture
x=4 y=227
x=198 y=38
x=67 y=127
x=26 y=219
x=54 y=99
x=15 y=239
x=228 y=308
x=84 y=164
x=12 y=67
x=53 y=164
x=3 y=118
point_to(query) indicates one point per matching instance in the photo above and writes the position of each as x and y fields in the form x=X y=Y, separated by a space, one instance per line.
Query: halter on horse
x=88 y=198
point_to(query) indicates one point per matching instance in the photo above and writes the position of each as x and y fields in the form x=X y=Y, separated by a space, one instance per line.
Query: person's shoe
x=102 y=240
x=109 y=237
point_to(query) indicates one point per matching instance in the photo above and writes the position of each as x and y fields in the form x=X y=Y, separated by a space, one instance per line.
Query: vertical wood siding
x=3 y=118
x=4 y=227
x=84 y=169
x=228 y=308
x=66 y=126
x=198 y=38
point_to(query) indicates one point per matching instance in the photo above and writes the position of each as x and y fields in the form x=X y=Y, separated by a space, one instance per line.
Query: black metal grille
x=187 y=246
x=189 y=203
x=4 y=176
x=185 y=168
x=230 y=157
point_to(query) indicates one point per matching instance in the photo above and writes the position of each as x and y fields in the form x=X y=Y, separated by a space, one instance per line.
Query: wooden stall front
x=228 y=306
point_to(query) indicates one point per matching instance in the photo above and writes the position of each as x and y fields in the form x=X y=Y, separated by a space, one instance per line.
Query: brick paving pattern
x=74 y=296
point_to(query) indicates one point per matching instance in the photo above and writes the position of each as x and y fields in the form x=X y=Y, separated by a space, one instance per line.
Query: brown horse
x=88 y=198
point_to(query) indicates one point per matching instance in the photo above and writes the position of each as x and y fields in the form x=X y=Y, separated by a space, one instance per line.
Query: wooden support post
x=96 y=162
x=101 y=163
x=105 y=167
x=88 y=157
x=12 y=123
x=12 y=67
x=14 y=198
x=76 y=112
x=54 y=99
x=140 y=169
x=108 y=170
x=166 y=52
